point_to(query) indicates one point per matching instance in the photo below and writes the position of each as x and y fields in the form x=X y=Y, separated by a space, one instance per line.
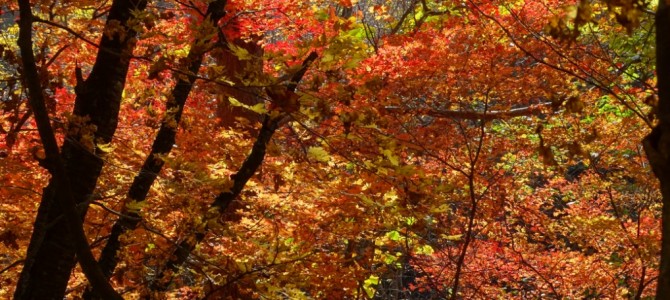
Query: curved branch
x=68 y=29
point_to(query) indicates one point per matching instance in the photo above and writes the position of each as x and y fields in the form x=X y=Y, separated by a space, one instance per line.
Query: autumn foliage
x=367 y=149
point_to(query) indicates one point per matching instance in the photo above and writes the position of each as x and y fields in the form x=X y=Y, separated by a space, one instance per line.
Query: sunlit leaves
x=258 y=108
x=386 y=157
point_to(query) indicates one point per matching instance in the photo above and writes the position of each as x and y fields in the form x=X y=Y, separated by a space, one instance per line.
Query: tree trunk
x=162 y=145
x=240 y=179
x=657 y=143
x=222 y=201
x=51 y=254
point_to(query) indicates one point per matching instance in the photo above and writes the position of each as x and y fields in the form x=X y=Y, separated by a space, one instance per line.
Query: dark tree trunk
x=657 y=143
x=51 y=254
x=240 y=179
x=222 y=201
x=162 y=145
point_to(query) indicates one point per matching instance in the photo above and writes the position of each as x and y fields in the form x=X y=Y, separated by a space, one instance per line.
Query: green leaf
x=390 y=259
x=410 y=221
x=393 y=235
x=370 y=285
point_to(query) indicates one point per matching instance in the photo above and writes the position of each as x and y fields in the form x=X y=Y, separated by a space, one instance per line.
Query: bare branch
x=530 y=110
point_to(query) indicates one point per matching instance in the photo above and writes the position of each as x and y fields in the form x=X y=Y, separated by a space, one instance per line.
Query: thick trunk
x=657 y=143
x=162 y=146
x=50 y=256
x=240 y=179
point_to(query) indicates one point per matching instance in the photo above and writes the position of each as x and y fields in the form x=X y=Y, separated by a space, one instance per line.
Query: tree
x=94 y=121
x=331 y=149
x=656 y=145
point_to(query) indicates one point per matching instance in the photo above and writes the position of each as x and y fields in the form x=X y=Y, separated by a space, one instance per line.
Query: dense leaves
x=334 y=149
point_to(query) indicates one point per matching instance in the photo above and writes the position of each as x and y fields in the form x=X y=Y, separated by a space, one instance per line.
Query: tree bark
x=657 y=143
x=240 y=179
x=162 y=145
x=51 y=253
x=53 y=161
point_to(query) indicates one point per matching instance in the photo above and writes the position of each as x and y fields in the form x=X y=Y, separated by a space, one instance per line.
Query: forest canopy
x=409 y=149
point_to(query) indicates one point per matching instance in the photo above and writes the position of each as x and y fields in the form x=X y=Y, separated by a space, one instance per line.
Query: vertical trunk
x=50 y=257
x=162 y=146
x=53 y=161
x=657 y=143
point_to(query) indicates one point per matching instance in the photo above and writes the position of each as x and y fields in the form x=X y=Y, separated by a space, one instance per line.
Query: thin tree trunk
x=240 y=179
x=162 y=146
x=657 y=143
x=51 y=253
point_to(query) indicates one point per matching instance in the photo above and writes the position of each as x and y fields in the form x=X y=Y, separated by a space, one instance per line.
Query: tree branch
x=68 y=29
x=529 y=110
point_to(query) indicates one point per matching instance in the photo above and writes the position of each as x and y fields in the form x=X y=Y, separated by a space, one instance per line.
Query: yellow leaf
x=318 y=153
x=455 y=237
x=241 y=53
x=241 y=265
x=257 y=108
x=135 y=206
x=106 y=148
x=441 y=209
x=370 y=285
x=425 y=249
x=327 y=58
x=391 y=157
x=235 y=102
